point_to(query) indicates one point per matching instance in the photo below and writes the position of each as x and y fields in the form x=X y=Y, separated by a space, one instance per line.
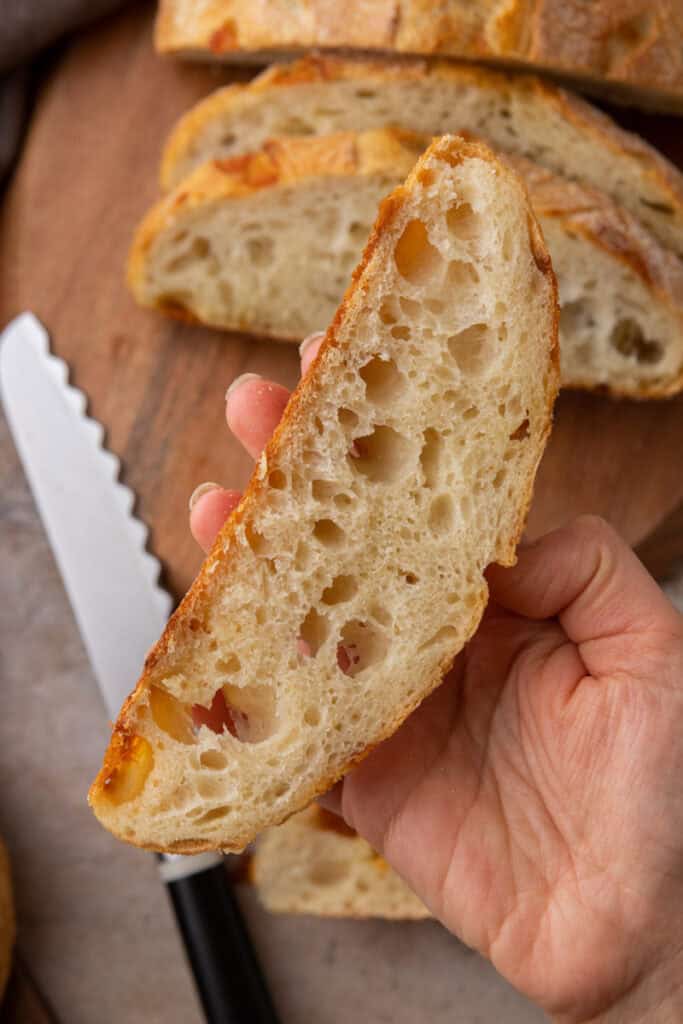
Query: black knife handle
x=226 y=972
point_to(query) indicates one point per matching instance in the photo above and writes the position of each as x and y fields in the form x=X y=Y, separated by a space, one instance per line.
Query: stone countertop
x=95 y=925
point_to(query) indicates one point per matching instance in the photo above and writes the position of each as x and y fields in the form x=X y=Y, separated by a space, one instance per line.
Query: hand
x=535 y=800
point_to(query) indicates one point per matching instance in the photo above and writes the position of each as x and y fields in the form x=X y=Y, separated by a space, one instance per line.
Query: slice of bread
x=632 y=51
x=518 y=114
x=274 y=258
x=315 y=864
x=352 y=572
x=7 y=921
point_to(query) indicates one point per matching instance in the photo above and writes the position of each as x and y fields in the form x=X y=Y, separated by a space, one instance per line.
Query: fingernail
x=238 y=381
x=307 y=342
x=198 y=492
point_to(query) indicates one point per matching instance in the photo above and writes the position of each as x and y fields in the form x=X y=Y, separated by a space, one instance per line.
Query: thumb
x=585 y=575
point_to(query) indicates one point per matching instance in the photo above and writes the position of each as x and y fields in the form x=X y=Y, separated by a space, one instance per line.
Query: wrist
x=656 y=998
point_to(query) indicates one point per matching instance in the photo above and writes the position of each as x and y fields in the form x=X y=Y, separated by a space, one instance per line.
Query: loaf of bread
x=340 y=590
x=7 y=922
x=517 y=114
x=266 y=242
x=631 y=49
x=315 y=864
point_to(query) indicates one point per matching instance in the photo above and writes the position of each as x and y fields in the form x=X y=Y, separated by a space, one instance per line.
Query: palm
x=491 y=801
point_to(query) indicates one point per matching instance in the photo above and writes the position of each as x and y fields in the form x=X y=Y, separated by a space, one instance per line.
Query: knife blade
x=112 y=584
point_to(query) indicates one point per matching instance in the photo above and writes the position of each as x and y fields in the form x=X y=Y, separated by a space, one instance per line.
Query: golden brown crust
x=194 y=606
x=634 y=44
x=7 y=920
x=655 y=173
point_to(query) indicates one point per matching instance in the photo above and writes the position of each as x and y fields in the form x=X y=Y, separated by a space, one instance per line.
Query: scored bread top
x=339 y=591
x=636 y=53
x=520 y=114
x=315 y=864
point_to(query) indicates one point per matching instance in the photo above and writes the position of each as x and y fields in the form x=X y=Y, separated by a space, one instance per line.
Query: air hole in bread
x=215 y=814
x=277 y=480
x=499 y=479
x=253 y=711
x=410 y=578
x=628 y=339
x=461 y=274
x=441 y=514
x=347 y=417
x=228 y=664
x=361 y=645
x=384 y=382
x=410 y=308
x=217 y=716
x=431 y=456
x=295 y=126
x=255 y=540
x=401 y=332
x=446 y=635
x=312 y=716
x=208 y=787
x=416 y=258
x=214 y=760
x=260 y=251
x=197 y=251
x=435 y=306
x=462 y=221
x=328 y=533
x=328 y=872
x=302 y=556
x=380 y=614
x=171 y=715
x=323 y=490
x=341 y=589
x=382 y=456
x=470 y=413
x=470 y=349
x=314 y=631
x=522 y=431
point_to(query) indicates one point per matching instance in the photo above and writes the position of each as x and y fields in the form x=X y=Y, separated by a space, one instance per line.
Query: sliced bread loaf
x=315 y=864
x=632 y=49
x=274 y=257
x=342 y=587
x=518 y=114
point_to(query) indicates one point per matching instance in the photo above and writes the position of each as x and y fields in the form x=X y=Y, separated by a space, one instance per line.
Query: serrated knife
x=112 y=584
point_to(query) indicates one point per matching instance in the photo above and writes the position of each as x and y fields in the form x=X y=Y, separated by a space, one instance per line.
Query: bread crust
x=634 y=44
x=307 y=395
x=656 y=176
x=581 y=209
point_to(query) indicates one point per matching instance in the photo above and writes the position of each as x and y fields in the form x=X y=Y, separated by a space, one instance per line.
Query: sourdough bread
x=352 y=572
x=274 y=259
x=522 y=115
x=314 y=864
x=631 y=48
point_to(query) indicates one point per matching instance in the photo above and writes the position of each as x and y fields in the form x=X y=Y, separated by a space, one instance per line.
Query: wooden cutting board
x=88 y=172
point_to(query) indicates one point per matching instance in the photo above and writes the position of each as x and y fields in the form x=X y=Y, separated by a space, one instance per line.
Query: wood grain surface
x=88 y=172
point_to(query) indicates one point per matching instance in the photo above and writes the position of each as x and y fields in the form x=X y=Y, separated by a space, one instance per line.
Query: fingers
x=210 y=506
x=309 y=348
x=586 y=575
x=254 y=407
